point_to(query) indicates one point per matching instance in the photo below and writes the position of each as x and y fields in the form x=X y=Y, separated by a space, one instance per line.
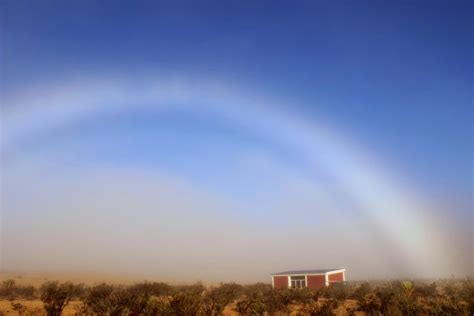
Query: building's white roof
x=306 y=272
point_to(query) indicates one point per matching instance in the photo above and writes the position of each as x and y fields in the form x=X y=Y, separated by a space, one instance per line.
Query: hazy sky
x=222 y=141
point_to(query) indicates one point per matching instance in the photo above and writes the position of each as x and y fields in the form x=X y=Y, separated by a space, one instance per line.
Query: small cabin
x=312 y=279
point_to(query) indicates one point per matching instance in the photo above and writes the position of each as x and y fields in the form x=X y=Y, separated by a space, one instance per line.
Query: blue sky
x=391 y=81
x=398 y=75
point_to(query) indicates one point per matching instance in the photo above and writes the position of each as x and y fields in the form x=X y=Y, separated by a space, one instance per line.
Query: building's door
x=298 y=281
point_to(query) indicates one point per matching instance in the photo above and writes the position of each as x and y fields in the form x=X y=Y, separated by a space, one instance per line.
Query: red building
x=312 y=279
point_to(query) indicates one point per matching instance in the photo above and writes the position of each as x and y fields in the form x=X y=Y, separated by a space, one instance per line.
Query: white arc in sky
x=380 y=197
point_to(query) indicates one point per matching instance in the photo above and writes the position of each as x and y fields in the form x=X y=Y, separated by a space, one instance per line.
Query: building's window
x=298 y=281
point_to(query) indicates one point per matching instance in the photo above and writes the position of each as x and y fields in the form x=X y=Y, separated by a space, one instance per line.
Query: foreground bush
x=217 y=298
x=390 y=298
x=106 y=299
x=407 y=298
x=338 y=291
x=187 y=301
x=257 y=300
x=261 y=299
x=56 y=296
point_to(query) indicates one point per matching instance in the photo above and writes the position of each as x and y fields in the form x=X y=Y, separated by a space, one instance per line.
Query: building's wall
x=280 y=282
x=336 y=277
x=316 y=281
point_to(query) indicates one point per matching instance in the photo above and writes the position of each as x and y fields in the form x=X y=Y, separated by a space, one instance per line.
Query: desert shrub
x=55 y=296
x=19 y=308
x=78 y=291
x=257 y=289
x=140 y=294
x=143 y=299
x=467 y=294
x=152 y=289
x=251 y=307
x=279 y=300
x=455 y=298
x=7 y=289
x=323 y=307
x=449 y=289
x=361 y=291
x=396 y=298
x=217 y=298
x=97 y=298
x=371 y=304
x=388 y=300
x=187 y=301
x=26 y=291
x=10 y=290
x=407 y=301
x=137 y=303
x=422 y=289
x=137 y=299
x=452 y=297
x=118 y=302
x=339 y=291
x=285 y=299
x=157 y=306
x=442 y=305
x=104 y=299
x=258 y=299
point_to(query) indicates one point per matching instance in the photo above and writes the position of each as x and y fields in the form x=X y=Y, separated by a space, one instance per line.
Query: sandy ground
x=36 y=279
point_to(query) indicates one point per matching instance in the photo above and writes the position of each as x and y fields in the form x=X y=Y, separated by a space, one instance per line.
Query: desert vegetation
x=449 y=297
